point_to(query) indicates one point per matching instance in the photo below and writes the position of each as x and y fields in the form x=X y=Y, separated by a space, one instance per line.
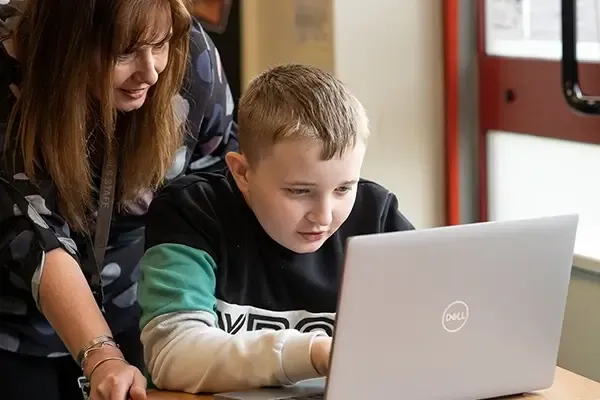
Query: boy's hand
x=319 y=354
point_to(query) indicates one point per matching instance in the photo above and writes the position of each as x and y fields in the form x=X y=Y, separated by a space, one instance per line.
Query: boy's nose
x=321 y=217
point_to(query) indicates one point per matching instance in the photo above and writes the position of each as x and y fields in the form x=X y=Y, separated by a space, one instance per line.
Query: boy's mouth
x=312 y=236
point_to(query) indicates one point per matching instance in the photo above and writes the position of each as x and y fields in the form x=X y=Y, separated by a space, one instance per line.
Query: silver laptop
x=462 y=312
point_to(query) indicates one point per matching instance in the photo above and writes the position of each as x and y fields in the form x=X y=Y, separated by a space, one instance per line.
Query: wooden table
x=567 y=386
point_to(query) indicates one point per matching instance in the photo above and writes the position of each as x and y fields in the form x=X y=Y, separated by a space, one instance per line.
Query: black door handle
x=576 y=99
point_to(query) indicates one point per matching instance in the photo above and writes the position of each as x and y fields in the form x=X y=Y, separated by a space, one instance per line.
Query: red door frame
x=451 y=111
x=525 y=96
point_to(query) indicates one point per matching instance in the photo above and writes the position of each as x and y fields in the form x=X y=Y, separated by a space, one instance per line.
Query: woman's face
x=135 y=73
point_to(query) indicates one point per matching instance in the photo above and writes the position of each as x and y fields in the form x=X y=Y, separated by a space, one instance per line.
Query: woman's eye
x=344 y=189
x=125 y=57
x=160 y=46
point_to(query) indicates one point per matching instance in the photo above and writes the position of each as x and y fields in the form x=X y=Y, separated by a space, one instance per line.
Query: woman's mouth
x=134 y=94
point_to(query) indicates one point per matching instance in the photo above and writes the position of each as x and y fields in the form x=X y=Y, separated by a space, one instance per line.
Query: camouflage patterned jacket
x=24 y=239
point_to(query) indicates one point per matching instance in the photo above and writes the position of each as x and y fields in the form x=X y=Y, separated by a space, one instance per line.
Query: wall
x=561 y=178
x=389 y=53
x=579 y=350
x=269 y=38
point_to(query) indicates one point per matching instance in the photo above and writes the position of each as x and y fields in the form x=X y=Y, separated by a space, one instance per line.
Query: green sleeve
x=174 y=278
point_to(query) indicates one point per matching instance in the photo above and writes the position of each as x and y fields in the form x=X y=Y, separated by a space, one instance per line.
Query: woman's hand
x=114 y=378
x=117 y=380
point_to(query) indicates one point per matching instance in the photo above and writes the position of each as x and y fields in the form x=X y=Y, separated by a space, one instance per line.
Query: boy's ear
x=239 y=168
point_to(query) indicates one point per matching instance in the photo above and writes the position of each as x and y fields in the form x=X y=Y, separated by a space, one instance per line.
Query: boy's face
x=299 y=199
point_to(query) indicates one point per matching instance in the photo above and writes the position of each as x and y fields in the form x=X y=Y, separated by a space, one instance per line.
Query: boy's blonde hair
x=299 y=102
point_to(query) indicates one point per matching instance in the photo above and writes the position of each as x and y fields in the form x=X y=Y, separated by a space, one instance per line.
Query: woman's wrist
x=105 y=361
x=106 y=352
x=94 y=345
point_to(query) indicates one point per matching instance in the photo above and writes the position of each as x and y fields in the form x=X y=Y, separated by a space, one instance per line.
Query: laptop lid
x=461 y=312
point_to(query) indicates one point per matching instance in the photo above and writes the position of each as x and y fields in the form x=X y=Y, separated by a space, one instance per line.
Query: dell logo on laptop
x=455 y=316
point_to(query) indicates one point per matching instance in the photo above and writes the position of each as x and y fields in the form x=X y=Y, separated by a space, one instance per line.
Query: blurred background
x=390 y=53
x=480 y=109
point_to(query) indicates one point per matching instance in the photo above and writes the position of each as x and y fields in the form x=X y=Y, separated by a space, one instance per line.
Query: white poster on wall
x=545 y=20
x=505 y=19
x=532 y=29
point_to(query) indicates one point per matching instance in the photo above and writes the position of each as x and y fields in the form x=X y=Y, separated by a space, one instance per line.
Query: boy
x=241 y=275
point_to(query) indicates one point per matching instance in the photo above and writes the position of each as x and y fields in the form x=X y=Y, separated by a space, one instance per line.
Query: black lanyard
x=97 y=251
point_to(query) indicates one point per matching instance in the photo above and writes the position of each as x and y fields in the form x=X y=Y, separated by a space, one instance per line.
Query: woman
x=90 y=97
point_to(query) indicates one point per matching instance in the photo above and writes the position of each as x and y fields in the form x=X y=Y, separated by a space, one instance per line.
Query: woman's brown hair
x=64 y=47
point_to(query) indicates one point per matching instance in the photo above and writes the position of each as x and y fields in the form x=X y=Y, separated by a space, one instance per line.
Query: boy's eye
x=343 y=189
x=297 y=192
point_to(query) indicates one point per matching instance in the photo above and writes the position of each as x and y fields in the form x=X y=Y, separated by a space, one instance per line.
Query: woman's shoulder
x=199 y=40
x=18 y=188
x=202 y=55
